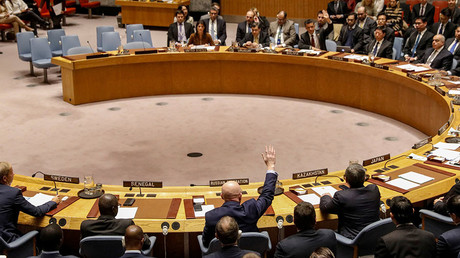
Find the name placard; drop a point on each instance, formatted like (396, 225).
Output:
(440, 91)
(380, 66)
(63, 179)
(249, 50)
(293, 53)
(451, 118)
(443, 128)
(220, 182)
(414, 76)
(338, 58)
(452, 106)
(195, 50)
(145, 52)
(97, 56)
(422, 142)
(374, 160)
(144, 184)
(311, 173)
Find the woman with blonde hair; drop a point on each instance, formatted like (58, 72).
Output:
(12, 19)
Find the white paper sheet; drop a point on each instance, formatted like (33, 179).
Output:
(40, 199)
(416, 68)
(324, 190)
(402, 183)
(417, 157)
(204, 209)
(447, 146)
(416, 177)
(452, 131)
(198, 200)
(310, 51)
(57, 8)
(454, 82)
(126, 213)
(447, 154)
(356, 57)
(311, 198)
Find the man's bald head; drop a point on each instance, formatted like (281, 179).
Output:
(134, 238)
(108, 204)
(231, 191)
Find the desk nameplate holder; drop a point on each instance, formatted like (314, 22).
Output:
(292, 53)
(380, 66)
(61, 179)
(140, 184)
(414, 76)
(338, 58)
(220, 182)
(195, 50)
(311, 173)
(97, 56)
(451, 118)
(443, 128)
(375, 160)
(440, 91)
(422, 142)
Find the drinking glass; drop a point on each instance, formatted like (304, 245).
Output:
(88, 183)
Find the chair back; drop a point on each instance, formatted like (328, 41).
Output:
(20, 248)
(331, 45)
(69, 42)
(130, 28)
(99, 31)
(40, 49)
(136, 45)
(101, 247)
(79, 50)
(54, 39)
(454, 64)
(296, 27)
(142, 35)
(110, 41)
(435, 222)
(255, 241)
(23, 44)
(398, 45)
(214, 246)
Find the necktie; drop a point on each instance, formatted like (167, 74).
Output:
(452, 49)
(213, 32)
(430, 59)
(422, 10)
(312, 41)
(278, 40)
(441, 29)
(416, 44)
(249, 29)
(181, 35)
(375, 48)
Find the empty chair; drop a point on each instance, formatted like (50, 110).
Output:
(331, 45)
(107, 246)
(110, 41)
(54, 38)
(130, 28)
(454, 64)
(79, 50)
(253, 241)
(398, 45)
(41, 55)
(21, 247)
(136, 45)
(69, 42)
(296, 27)
(23, 43)
(365, 242)
(89, 5)
(142, 35)
(99, 31)
(435, 222)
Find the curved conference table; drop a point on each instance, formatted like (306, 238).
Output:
(387, 92)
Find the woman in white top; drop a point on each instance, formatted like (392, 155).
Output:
(6, 17)
(22, 11)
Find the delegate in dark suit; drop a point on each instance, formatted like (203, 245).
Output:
(54, 254)
(241, 31)
(341, 10)
(457, 50)
(221, 30)
(11, 203)
(133, 254)
(358, 39)
(173, 31)
(305, 42)
(305, 242)
(368, 28)
(424, 43)
(264, 39)
(228, 252)
(449, 243)
(104, 225)
(441, 206)
(455, 19)
(429, 13)
(389, 35)
(443, 60)
(385, 50)
(449, 29)
(406, 241)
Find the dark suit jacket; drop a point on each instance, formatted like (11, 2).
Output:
(305, 42)
(53, 255)
(11, 203)
(305, 242)
(241, 31)
(429, 13)
(441, 207)
(358, 39)
(425, 42)
(264, 39)
(105, 225)
(221, 29)
(389, 35)
(449, 243)
(385, 51)
(443, 60)
(368, 28)
(343, 9)
(449, 30)
(355, 207)
(406, 241)
(455, 19)
(456, 52)
(246, 214)
(228, 252)
(133, 255)
(173, 32)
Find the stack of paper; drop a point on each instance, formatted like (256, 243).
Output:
(447, 146)
(447, 154)
(415, 68)
(356, 57)
(204, 209)
(126, 213)
(321, 190)
(311, 198)
(402, 183)
(416, 177)
(40, 199)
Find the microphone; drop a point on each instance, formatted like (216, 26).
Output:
(385, 166)
(90, 46)
(142, 38)
(279, 222)
(316, 179)
(383, 208)
(197, 185)
(38, 172)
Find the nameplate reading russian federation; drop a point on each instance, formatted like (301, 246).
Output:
(144, 184)
(443, 128)
(414, 76)
(440, 91)
(380, 66)
(422, 142)
(311, 173)
(378, 159)
(220, 182)
(63, 179)
(338, 58)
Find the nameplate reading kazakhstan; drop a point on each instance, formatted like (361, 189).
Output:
(440, 91)
(443, 128)
(311, 173)
(241, 181)
(422, 142)
(378, 159)
(414, 76)
(380, 66)
(293, 53)
(338, 58)
(451, 118)
(63, 179)
(144, 184)
(195, 50)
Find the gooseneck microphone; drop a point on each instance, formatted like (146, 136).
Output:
(90, 46)
(142, 38)
(385, 166)
(316, 178)
(38, 172)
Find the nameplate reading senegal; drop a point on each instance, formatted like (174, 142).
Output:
(443, 128)
(414, 76)
(220, 182)
(63, 179)
(440, 91)
(422, 143)
(376, 160)
(338, 58)
(311, 173)
(380, 66)
(144, 184)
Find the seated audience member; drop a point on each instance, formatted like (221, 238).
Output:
(379, 46)
(394, 15)
(440, 204)
(248, 213)
(255, 39)
(50, 239)
(12, 202)
(451, 45)
(370, 8)
(315, 40)
(322, 252)
(406, 240)
(228, 233)
(389, 32)
(200, 37)
(107, 224)
(306, 237)
(134, 240)
(216, 27)
(322, 24)
(437, 57)
(216, 7)
(187, 17)
(357, 206)
(283, 31)
(55, 17)
(244, 27)
(251, 255)
(351, 35)
(418, 41)
(5, 17)
(423, 9)
(365, 23)
(179, 31)
(454, 11)
(449, 242)
(262, 20)
(444, 26)
(22, 11)
(337, 10)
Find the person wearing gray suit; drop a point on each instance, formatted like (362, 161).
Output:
(283, 31)
(217, 28)
(437, 57)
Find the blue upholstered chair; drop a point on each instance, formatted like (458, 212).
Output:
(23, 44)
(130, 28)
(136, 45)
(331, 45)
(99, 31)
(79, 50)
(110, 41)
(142, 35)
(398, 45)
(107, 246)
(435, 222)
(69, 42)
(54, 39)
(253, 241)
(41, 55)
(21, 247)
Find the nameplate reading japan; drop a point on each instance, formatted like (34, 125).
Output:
(311, 173)
(63, 179)
(378, 159)
(144, 184)
(241, 181)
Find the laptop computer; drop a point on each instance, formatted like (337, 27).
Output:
(344, 49)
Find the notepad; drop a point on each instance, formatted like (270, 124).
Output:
(126, 213)
(324, 190)
(311, 198)
(40, 199)
(416, 177)
(415, 68)
(402, 183)
(204, 209)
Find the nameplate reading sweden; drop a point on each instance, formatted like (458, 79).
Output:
(378, 159)
(241, 181)
(145, 184)
(311, 173)
(63, 179)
